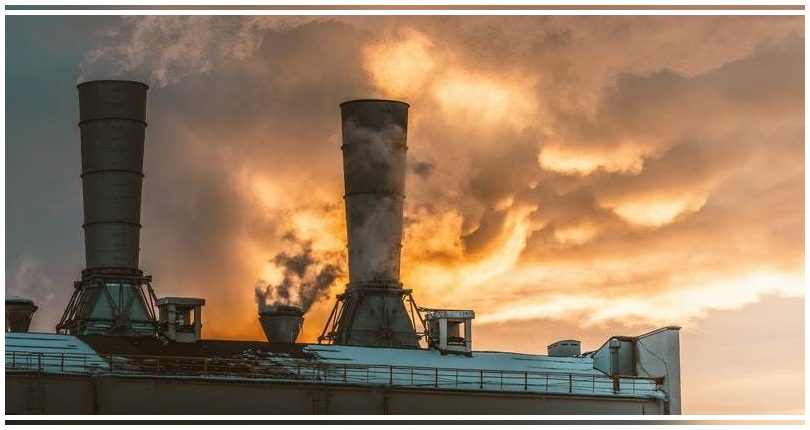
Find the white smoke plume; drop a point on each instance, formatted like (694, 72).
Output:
(164, 49)
(29, 280)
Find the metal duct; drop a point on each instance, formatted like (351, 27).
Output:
(113, 122)
(281, 324)
(374, 145)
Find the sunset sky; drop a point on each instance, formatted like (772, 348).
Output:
(570, 176)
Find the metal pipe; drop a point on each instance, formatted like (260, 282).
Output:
(614, 346)
(570, 383)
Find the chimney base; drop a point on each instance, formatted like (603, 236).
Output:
(106, 302)
(373, 316)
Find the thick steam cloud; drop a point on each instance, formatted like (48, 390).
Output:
(306, 277)
(375, 164)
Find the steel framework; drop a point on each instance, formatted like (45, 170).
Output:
(134, 290)
(341, 319)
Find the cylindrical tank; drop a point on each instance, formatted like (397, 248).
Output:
(19, 312)
(564, 348)
(113, 123)
(374, 146)
(281, 324)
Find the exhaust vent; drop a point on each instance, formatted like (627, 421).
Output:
(19, 312)
(280, 323)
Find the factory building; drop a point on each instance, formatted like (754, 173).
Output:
(119, 349)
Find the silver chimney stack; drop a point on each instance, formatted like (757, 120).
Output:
(113, 123)
(374, 145)
(113, 296)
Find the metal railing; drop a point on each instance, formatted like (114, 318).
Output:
(285, 369)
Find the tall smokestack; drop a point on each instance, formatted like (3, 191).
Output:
(113, 123)
(374, 145)
(112, 119)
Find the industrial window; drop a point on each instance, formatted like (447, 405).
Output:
(455, 332)
(185, 320)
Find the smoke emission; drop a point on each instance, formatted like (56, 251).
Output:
(605, 171)
(628, 145)
(375, 167)
(306, 278)
(422, 169)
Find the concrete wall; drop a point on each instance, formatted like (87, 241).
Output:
(52, 394)
(56, 394)
(659, 356)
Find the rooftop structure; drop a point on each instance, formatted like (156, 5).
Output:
(180, 318)
(19, 312)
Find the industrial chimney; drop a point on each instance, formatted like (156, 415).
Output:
(113, 296)
(374, 145)
(19, 312)
(280, 323)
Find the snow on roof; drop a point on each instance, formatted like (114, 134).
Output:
(506, 361)
(488, 371)
(413, 368)
(65, 354)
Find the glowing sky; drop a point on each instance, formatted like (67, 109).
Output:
(571, 177)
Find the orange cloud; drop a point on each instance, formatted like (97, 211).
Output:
(576, 234)
(625, 158)
(697, 293)
(440, 280)
(412, 65)
(656, 210)
(400, 69)
(490, 101)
